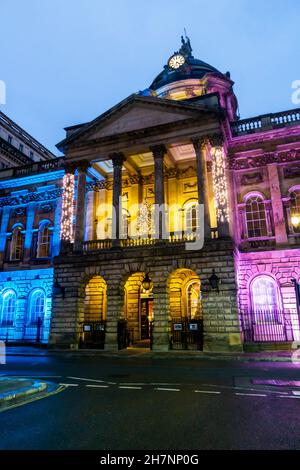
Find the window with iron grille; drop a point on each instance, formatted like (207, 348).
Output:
(295, 210)
(9, 301)
(36, 306)
(256, 217)
(44, 241)
(16, 251)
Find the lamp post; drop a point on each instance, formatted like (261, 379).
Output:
(57, 289)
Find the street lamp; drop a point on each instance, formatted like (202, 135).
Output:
(295, 219)
(57, 289)
(214, 281)
(146, 283)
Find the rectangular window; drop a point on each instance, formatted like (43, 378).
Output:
(9, 139)
(21, 147)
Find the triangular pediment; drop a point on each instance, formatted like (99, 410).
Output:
(137, 117)
(133, 114)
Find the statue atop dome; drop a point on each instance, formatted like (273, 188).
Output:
(186, 48)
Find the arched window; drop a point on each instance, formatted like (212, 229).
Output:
(36, 306)
(125, 224)
(256, 218)
(16, 251)
(295, 210)
(191, 223)
(44, 241)
(8, 308)
(265, 295)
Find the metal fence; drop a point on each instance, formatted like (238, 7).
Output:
(92, 335)
(186, 333)
(270, 326)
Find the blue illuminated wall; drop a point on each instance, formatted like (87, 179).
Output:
(23, 283)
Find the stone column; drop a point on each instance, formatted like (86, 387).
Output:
(158, 152)
(277, 206)
(3, 230)
(117, 160)
(28, 237)
(199, 147)
(80, 205)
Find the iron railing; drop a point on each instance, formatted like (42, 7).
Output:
(261, 326)
(186, 333)
(92, 334)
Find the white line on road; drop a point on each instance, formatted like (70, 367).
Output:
(92, 380)
(69, 385)
(132, 383)
(97, 386)
(289, 396)
(168, 389)
(212, 392)
(296, 392)
(130, 388)
(251, 394)
(164, 383)
(86, 380)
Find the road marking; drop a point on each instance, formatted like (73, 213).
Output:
(168, 389)
(97, 386)
(296, 392)
(86, 380)
(251, 394)
(69, 385)
(165, 383)
(92, 380)
(130, 388)
(288, 396)
(132, 383)
(208, 391)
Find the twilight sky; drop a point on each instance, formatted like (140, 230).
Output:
(67, 61)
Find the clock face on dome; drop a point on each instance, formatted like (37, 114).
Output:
(176, 61)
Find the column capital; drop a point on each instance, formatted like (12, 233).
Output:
(70, 167)
(117, 158)
(200, 143)
(83, 165)
(216, 140)
(158, 151)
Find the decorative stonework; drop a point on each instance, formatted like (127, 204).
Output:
(252, 178)
(263, 160)
(31, 197)
(291, 172)
(18, 212)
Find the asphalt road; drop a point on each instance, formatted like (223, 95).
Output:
(136, 403)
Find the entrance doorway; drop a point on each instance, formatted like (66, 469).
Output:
(146, 317)
(138, 310)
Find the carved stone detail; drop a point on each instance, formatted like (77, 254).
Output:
(252, 178)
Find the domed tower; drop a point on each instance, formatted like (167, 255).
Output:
(186, 78)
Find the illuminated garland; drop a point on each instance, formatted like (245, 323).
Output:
(66, 231)
(220, 184)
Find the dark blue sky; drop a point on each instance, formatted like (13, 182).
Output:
(67, 61)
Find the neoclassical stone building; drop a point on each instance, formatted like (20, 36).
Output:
(213, 268)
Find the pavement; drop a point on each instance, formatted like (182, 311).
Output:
(263, 356)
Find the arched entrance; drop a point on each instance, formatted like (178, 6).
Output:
(138, 308)
(185, 310)
(94, 314)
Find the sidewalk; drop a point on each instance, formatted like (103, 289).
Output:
(272, 356)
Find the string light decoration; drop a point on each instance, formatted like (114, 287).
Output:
(66, 232)
(144, 221)
(220, 184)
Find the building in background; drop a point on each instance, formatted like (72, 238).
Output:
(17, 147)
(180, 143)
